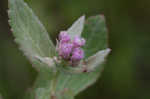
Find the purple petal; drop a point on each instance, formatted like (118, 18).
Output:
(78, 41)
(65, 50)
(77, 54)
(64, 37)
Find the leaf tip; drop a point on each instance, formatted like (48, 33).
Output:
(108, 50)
(82, 17)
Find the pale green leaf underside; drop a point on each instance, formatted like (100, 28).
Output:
(95, 34)
(77, 27)
(29, 33)
(97, 59)
(33, 40)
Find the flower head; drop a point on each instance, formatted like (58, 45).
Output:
(70, 49)
(65, 50)
(78, 41)
(64, 37)
(77, 54)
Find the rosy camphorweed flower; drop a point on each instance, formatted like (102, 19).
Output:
(70, 50)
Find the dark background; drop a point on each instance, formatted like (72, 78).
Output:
(127, 72)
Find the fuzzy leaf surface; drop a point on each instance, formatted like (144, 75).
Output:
(29, 33)
(77, 27)
(33, 40)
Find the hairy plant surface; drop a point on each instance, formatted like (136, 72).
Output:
(59, 77)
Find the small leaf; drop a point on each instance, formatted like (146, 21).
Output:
(95, 34)
(29, 33)
(77, 27)
(97, 59)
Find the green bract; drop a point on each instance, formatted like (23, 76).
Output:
(54, 79)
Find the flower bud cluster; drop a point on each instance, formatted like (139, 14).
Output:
(70, 49)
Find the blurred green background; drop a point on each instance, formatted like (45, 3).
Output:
(127, 71)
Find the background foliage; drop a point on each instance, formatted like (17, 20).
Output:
(126, 73)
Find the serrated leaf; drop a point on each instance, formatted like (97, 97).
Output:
(29, 33)
(95, 33)
(77, 27)
(33, 40)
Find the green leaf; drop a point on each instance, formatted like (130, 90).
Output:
(65, 94)
(29, 33)
(97, 60)
(95, 33)
(43, 86)
(77, 27)
(34, 41)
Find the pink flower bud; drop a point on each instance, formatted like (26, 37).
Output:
(65, 50)
(64, 37)
(70, 50)
(78, 41)
(77, 55)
